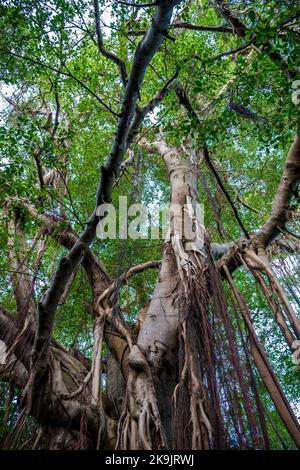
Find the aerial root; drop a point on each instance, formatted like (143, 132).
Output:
(140, 425)
(255, 262)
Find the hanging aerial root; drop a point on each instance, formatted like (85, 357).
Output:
(16, 432)
(200, 403)
(277, 310)
(140, 424)
(96, 372)
(8, 403)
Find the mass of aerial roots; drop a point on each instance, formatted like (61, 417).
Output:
(216, 402)
(187, 375)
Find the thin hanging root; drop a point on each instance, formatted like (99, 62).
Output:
(204, 418)
(254, 261)
(78, 391)
(201, 425)
(187, 267)
(97, 359)
(26, 443)
(182, 260)
(140, 425)
(96, 373)
(19, 337)
(202, 429)
(194, 280)
(8, 403)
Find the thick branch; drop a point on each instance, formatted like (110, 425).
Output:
(238, 26)
(142, 58)
(289, 181)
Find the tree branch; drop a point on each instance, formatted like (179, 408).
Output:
(237, 26)
(232, 51)
(108, 54)
(139, 5)
(140, 113)
(122, 279)
(279, 214)
(246, 112)
(143, 55)
(240, 29)
(219, 181)
(195, 27)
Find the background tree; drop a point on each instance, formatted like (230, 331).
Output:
(175, 101)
